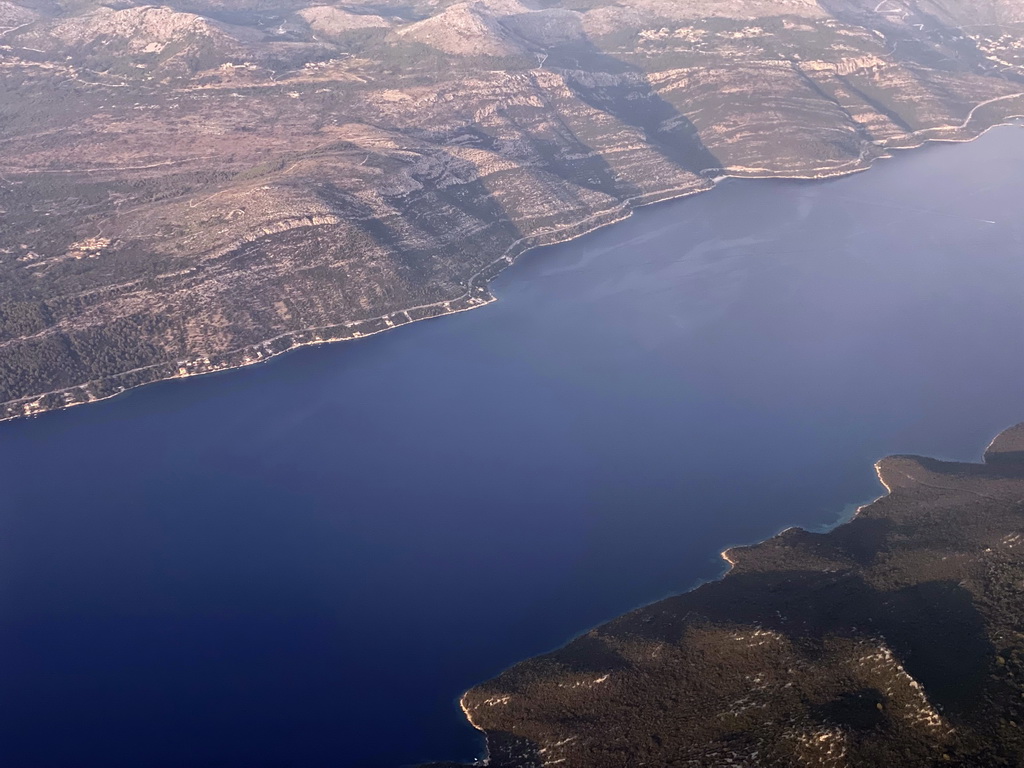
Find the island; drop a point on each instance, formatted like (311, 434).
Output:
(203, 184)
(895, 639)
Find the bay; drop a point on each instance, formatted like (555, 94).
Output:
(305, 563)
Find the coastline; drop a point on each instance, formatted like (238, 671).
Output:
(730, 565)
(724, 554)
(477, 293)
(1009, 443)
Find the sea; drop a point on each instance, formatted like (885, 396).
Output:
(305, 563)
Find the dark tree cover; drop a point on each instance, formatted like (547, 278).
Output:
(896, 639)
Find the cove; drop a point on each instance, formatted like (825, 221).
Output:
(306, 563)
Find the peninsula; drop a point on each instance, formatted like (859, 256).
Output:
(203, 185)
(896, 639)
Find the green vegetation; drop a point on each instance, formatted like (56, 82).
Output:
(187, 187)
(896, 639)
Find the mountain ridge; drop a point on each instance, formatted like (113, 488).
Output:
(190, 202)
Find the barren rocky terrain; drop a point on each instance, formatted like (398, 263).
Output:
(894, 640)
(204, 185)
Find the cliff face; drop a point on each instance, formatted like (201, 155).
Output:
(896, 639)
(187, 188)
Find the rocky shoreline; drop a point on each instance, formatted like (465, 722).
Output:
(893, 639)
(1003, 108)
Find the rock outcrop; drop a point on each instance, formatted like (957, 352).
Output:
(364, 162)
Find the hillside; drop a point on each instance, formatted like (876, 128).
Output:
(203, 185)
(894, 640)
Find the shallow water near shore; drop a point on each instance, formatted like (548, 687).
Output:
(305, 563)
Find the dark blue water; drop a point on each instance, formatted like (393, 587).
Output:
(304, 564)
